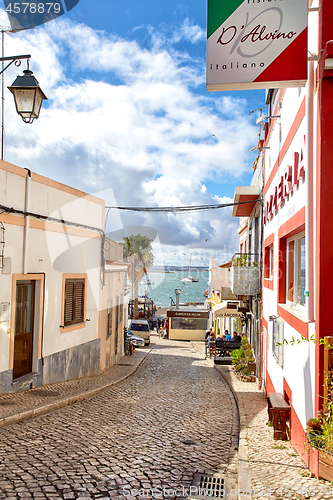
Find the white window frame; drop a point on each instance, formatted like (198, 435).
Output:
(297, 279)
(278, 337)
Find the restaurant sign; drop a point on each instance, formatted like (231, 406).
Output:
(187, 314)
(286, 183)
(256, 44)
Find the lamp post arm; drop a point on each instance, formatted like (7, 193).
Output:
(13, 59)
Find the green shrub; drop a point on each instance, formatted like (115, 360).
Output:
(327, 433)
(236, 356)
(240, 367)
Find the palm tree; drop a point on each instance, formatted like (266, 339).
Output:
(138, 251)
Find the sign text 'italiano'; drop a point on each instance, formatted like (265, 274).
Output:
(256, 44)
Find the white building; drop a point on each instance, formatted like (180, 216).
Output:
(298, 236)
(53, 271)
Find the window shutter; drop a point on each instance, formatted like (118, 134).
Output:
(69, 298)
(79, 301)
(74, 301)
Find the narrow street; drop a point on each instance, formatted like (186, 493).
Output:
(172, 418)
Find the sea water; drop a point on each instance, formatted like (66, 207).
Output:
(164, 285)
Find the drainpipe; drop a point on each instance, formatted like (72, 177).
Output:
(309, 298)
(27, 220)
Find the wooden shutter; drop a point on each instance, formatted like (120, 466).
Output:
(79, 301)
(74, 301)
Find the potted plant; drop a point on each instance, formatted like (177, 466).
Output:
(243, 361)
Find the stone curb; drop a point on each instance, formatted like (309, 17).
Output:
(244, 473)
(14, 419)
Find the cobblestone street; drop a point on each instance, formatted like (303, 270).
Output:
(151, 431)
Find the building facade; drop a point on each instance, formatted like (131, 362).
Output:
(53, 283)
(298, 233)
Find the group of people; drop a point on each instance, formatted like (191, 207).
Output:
(213, 341)
(162, 328)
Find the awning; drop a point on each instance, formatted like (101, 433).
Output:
(227, 309)
(226, 265)
(248, 194)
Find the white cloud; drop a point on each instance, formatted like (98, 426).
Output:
(131, 119)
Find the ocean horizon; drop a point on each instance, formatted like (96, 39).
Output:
(164, 284)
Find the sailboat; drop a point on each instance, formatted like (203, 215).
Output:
(189, 278)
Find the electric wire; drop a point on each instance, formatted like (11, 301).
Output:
(185, 208)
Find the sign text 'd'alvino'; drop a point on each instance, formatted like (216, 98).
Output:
(256, 44)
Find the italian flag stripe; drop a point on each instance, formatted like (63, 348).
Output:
(286, 65)
(218, 12)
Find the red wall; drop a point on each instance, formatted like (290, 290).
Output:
(324, 198)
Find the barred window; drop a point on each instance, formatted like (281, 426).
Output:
(74, 301)
(110, 310)
(121, 308)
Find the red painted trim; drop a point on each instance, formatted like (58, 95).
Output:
(292, 320)
(269, 384)
(287, 394)
(300, 441)
(293, 129)
(294, 225)
(269, 240)
(268, 280)
(269, 284)
(324, 199)
(281, 282)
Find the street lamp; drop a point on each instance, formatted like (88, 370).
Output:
(28, 96)
(26, 91)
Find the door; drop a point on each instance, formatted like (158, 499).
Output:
(117, 328)
(24, 327)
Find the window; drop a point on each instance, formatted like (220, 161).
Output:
(278, 337)
(117, 317)
(295, 293)
(74, 301)
(121, 310)
(189, 324)
(110, 305)
(268, 272)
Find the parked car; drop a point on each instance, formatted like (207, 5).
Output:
(136, 341)
(140, 326)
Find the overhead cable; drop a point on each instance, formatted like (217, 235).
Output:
(185, 208)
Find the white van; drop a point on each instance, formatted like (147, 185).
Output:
(141, 328)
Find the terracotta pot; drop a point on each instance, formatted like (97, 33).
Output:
(251, 367)
(325, 465)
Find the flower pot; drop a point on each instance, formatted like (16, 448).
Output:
(251, 367)
(325, 465)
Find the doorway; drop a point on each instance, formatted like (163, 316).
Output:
(24, 328)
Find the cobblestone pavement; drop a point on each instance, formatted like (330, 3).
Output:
(25, 404)
(152, 431)
(276, 470)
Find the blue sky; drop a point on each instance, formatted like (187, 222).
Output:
(129, 119)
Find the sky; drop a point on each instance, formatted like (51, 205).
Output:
(128, 119)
